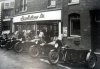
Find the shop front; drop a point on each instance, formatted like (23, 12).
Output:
(6, 26)
(49, 22)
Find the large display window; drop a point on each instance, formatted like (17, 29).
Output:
(31, 30)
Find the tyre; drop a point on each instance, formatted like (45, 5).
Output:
(92, 61)
(18, 47)
(34, 51)
(53, 57)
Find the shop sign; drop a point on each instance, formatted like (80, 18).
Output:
(32, 17)
(50, 15)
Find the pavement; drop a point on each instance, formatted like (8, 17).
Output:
(12, 60)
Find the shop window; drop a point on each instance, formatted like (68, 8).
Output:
(6, 26)
(74, 24)
(73, 2)
(23, 5)
(51, 3)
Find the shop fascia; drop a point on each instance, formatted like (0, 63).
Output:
(42, 16)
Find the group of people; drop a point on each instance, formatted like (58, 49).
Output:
(44, 35)
(29, 35)
(25, 35)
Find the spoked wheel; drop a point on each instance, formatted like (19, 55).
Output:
(34, 51)
(53, 57)
(92, 61)
(18, 47)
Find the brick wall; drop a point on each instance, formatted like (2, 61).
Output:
(83, 8)
(38, 5)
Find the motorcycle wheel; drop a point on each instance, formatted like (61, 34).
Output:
(18, 47)
(33, 51)
(53, 57)
(92, 61)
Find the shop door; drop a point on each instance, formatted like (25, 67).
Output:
(95, 30)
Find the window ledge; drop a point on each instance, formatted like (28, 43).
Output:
(73, 3)
(51, 6)
(73, 37)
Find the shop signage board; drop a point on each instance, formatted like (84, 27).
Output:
(49, 15)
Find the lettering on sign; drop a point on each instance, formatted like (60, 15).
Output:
(32, 17)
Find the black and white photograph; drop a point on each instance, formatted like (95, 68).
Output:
(49, 34)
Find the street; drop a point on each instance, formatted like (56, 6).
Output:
(12, 60)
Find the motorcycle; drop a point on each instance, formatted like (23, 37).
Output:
(66, 54)
(39, 48)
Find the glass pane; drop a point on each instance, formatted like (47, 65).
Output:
(75, 27)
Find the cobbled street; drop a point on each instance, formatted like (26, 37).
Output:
(12, 60)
